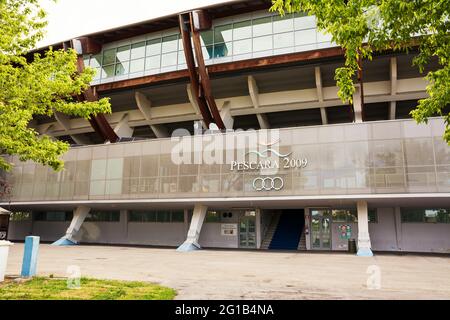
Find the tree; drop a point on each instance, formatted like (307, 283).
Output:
(362, 27)
(40, 85)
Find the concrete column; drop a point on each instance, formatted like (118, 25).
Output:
(357, 104)
(123, 128)
(79, 214)
(307, 228)
(258, 229)
(398, 228)
(193, 235)
(364, 245)
(225, 114)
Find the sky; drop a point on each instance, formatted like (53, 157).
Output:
(68, 19)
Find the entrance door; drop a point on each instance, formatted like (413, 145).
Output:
(247, 232)
(320, 230)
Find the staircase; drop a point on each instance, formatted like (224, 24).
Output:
(270, 232)
(302, 243)
(288, 231)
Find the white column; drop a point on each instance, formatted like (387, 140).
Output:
(254, 95)
(364, 245)
(225, 114)
(79, 214)
(195, 228)
(144, 105)
(123, 129)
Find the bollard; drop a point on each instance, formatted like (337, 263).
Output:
(4, 250)
(30, 256)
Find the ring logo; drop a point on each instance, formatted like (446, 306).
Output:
(268, 184)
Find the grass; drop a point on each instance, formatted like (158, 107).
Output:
(90, 289)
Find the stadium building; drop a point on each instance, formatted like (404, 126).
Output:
(305, 172)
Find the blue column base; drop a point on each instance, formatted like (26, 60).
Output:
(30, 257)
(188, 246)
(364, 252)
(64, 242)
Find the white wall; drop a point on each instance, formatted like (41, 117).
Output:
(18, 230)
(425, 237)
(383, 234)
(211, 236)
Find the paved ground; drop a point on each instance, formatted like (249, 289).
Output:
(217, 274)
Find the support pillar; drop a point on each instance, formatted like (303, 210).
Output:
(193, 235)
(227, 118)
(79, 214)
(364, 245)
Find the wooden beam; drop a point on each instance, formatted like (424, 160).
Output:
(190, 62)
(98, 122)
(204, 77)
(229, 67)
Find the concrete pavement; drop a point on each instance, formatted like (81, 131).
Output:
(222, 274)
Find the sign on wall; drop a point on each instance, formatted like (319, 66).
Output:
(345, 231)
(229, 229)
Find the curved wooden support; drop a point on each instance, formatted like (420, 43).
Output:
(186, 37)
(205, 82)
(199, 77)
(98, 122)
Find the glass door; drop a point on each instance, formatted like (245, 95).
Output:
(247, 232)
(320, 230)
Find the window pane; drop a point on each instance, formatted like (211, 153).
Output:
(308, 22)
(98, 72)
(153, 47)
(373, 216)
(98, 170)
(152, 62)
(169, 59)
(212, 216)
(305, 37)
(412, 215)
(95, 61)
(108, 71)
(163, 216)
(115, 169)
(123, 53)
(170, 43)
(137, 65)
(223, 50)
(262, 26)
(177, 216)
(109, 56)
(207, 52)
(262, 43)
(122, 68)
(283, 40)
(138, 50)
(323, 37)
(283, 24)
(242, 30)
(242, 46)
(207, 38)
(223, 33)
(56, 216)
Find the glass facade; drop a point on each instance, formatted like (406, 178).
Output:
(261, 35)
(425, 215)
(160, 216)
(368, 158)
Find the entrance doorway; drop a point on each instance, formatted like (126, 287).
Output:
(320, 229)
(247, 231)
